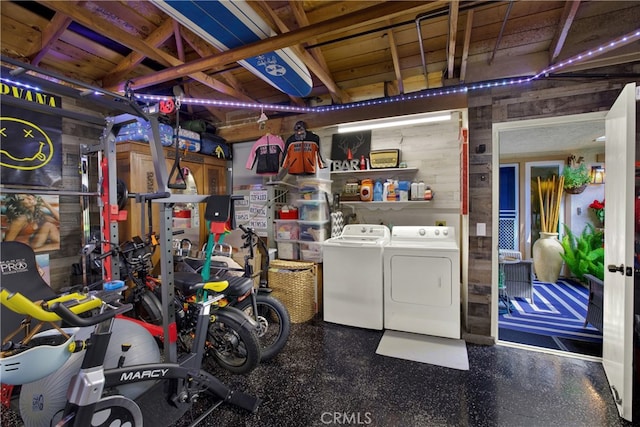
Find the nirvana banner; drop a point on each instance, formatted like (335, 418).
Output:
(30, 141)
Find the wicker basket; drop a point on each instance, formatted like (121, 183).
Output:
(294, 283)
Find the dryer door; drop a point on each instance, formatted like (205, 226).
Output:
(421, 280)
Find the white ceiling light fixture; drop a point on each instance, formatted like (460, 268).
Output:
(388, 122)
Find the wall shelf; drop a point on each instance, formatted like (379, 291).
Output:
(389, 171)
(385, 206)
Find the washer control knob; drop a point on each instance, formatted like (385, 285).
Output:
(445, 232)
(422, 232)
(363, 230)
(437, 232)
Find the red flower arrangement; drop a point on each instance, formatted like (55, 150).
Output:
(598, 208)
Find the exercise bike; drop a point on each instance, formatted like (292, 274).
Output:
(271, 315)
(40, 354)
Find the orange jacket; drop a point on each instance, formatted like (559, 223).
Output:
(302, 157)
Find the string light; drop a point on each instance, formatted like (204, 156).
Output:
(11, 82)
(428, 93)
(614, 44)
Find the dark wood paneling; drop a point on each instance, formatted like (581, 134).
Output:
(486, 107)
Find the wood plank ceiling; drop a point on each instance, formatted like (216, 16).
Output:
(355, 50)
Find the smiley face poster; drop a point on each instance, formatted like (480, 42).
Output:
(30, 141)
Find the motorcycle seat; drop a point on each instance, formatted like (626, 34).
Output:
(238, 285)
(190, 283)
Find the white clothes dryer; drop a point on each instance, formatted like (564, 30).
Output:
(352, 276)
(422, 281)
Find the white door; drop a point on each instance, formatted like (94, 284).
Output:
(620, 156)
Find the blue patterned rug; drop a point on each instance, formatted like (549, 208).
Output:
(558, 311)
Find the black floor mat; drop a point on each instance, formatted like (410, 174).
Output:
(555, 343)
(582, 347)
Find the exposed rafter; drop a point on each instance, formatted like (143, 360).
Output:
(178, 38)
(465, 47)
(84, 18)
(307, 58)
(568, 15)
(54, 30)
(337, 94)
(454, 6)
(159, 36)
(393, 47)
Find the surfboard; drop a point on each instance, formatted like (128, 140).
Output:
(230, 24)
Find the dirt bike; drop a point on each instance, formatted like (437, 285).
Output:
(270, 314)
(231, 341)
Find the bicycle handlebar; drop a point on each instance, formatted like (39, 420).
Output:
(75, 320)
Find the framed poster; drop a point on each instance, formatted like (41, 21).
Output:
(31, 219)
(348, 148)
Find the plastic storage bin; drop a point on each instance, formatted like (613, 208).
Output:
(314, 231)
(287, 229)
(308, 184)
(288, 212)
(312, 195)
(313, 210)
(311, 251)
(288, 249)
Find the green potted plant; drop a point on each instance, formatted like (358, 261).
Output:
(584, 253)
(576, 175)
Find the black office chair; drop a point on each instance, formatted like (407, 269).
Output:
(19, 273)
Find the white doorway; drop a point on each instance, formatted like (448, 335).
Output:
(531, 144)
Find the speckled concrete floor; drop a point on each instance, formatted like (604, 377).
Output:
(330, 375)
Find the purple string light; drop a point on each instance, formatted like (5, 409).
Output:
(399, 98)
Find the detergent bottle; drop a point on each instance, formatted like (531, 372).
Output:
(377, 191)
(391, 191)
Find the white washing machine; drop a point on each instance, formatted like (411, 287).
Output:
(422, 281)
(352, 283)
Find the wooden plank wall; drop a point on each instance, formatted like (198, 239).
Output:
(544, 98)
(74, 133)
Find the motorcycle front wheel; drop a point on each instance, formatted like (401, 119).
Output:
(232, 343)
(274, 323)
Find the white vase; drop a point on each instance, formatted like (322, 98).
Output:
(547, 261)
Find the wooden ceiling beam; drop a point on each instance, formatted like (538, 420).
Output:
(203, 48)
(395, 57)
(465, 48)
(566, 20)
(310, 61)
(106, 28)
(337, 94)
(83, 17)
(355, 19)
(178, 38)
(454, 7)
(54, 30)
(155, 39)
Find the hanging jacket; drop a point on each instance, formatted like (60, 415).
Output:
(302, 157)
(265, 155)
